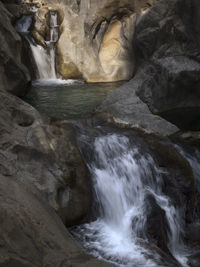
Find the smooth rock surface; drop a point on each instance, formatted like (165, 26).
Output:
(124, 108)
(44, 158)
(32, 235)
(168, 53)
(96, 37)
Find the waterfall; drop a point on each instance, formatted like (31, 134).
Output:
(53, 26)
(44, 58)
(123, 179)
(43, 62)
(53, 39)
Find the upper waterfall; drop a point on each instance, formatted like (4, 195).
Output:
(53, 26)
(44, 57)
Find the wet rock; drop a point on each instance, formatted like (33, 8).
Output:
(179, 182)
(156, 225)
(193, 234)
(95, 38)
(194, 259)
(190, 137)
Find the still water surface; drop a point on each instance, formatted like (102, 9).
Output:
(71, 99)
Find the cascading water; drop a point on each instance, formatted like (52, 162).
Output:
(44, 58)
(53, 39)
(123, 179)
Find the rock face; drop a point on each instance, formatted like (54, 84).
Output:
(43, 158)
(167, 78)
(14, 76)
(96, 38)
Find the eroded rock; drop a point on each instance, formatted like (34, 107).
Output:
(43, 158)
(168, 51)
(96, 38)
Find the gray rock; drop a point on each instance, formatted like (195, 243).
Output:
(44, 158)
(124, 107)
(14, 76)
(32, 234)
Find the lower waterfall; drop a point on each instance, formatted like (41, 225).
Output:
(124, 181)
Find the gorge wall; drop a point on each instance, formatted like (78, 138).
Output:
(167, 78)
(96, 37)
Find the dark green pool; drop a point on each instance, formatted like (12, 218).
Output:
(68, 100)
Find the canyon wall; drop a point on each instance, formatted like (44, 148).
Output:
(96, 37)
(167, 78)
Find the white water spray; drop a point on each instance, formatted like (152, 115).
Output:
(44, 58)
(123, 180)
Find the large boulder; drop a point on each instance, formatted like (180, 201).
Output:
(32, 234)
(168, 53)
(14, 76)
(44, 158)
(167, 81)
(124, 108)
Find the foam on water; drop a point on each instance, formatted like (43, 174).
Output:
(123, 179)
(54, 82)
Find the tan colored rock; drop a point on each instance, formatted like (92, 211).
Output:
(96, 38)
(116, 55)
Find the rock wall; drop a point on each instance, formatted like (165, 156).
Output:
(96, 37)
(167, 79)
(171, 61)
(14, 76)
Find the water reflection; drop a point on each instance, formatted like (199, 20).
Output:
(71, 100)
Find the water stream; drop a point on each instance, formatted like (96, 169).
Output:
(44, 58)
(124, 180)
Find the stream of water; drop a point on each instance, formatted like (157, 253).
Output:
(123, 180)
